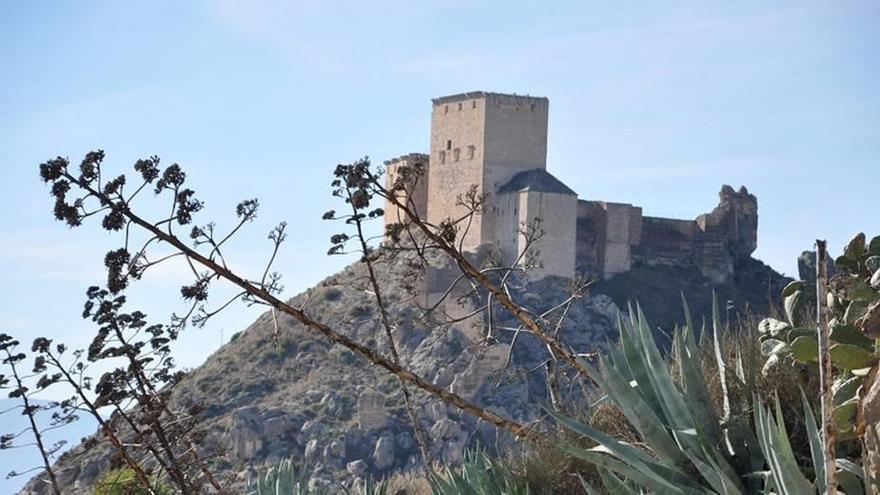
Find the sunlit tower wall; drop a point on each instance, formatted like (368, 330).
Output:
(482, 139)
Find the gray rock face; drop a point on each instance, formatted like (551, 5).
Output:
(383, 453)
(310, 454)
(357, 468)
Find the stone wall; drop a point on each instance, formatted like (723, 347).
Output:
(515, 140)
(554, 252)
(415, 182)
(606, 235)
(666, 241)
(612, 237)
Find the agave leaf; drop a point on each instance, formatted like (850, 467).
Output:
(639, 476)
(637, 365)
(632, 462)
(631, 402)
(719, 359)
(773, 439)
(677, 414)
(613, 484)
(689, 323)
(696, 391)
(817, 451)
(746, 448)
(588, 489)
(720, 476)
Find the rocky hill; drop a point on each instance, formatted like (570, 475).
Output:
(297, 396)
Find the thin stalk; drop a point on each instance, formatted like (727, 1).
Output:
(828, 433)
(418, 433)
(29, 412)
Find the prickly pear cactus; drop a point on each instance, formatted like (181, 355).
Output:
(854, 302)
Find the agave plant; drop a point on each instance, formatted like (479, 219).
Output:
(689, 448)
(290, 478)
(284, 478)
(479, 474)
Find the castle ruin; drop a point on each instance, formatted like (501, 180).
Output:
(498, 143)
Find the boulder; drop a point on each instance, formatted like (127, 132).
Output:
(311, 453)
(357, 467)
(383, 453)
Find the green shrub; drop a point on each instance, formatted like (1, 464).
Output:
(124, 481)
(332, 294)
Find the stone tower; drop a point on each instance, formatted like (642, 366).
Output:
(416, 183)
(482, 139)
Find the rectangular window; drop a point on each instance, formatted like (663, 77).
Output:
(455, 154)
(459, 106)
(446, 109)
(474, 104)
(449, 144)
(442, 157)
(471, 150)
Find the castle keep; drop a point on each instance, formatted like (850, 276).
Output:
(498, 143)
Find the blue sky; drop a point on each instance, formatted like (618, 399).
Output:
(652, 103)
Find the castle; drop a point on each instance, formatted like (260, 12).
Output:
(498, 143)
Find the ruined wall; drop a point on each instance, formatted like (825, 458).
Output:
(612, 237)
(606, 234)
(414, 181)
(666, 241)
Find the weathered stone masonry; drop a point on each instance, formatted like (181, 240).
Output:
(498, 142)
